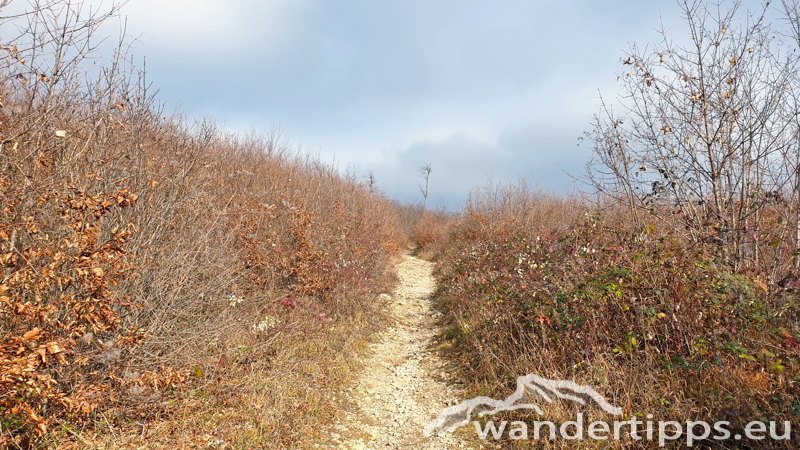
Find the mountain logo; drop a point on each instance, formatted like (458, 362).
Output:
(527, 386)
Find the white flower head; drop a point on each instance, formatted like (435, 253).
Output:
(234, 301)
(265, 325)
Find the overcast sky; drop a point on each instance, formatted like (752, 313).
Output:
(478, 89)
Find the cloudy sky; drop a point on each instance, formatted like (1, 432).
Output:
(479, 89)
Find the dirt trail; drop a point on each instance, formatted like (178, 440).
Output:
(403, 385)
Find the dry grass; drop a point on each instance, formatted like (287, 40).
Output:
(424, 229)
(224, 284)
(531, 282)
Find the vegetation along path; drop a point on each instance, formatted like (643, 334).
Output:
(403, 385)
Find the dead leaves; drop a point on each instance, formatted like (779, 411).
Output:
(32, 335)
(64, 281)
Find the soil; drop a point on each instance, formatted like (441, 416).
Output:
(404, 384)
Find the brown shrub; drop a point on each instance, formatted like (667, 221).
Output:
(658, 325)
(159, 272)
(429, 231)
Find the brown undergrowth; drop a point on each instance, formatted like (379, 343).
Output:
(533, 283)
(424, 229)
(166, 284)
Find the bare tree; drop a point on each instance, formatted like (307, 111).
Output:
(707, 135)
(425, 172)
(791, 154)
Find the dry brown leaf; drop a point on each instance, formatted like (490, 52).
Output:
(53, 348)
(32, 335)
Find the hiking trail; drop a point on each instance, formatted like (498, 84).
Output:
(404, 385)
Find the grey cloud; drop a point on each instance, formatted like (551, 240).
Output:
(461, 163)
(477, 88)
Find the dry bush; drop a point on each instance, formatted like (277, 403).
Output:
(159, 273)
(429, 231)
(409, 214)
(677, 294)
(59, 288)
(705, 135)
(655, 322)
(523, 203)
(423, 229)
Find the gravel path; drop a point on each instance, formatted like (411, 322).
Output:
(403, 385)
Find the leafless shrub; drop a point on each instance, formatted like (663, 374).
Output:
(707, 136)
(176, 218)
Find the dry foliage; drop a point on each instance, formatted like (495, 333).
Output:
(706, 135)
(657, 323)
(159, 274)
(59, 288)
(676, 293)
(423, 229)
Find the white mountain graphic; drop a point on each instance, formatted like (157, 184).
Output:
(527, 386)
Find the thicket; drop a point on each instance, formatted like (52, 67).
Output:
(159, 274)
(673, 289)
(424, 230)
(658, 326)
